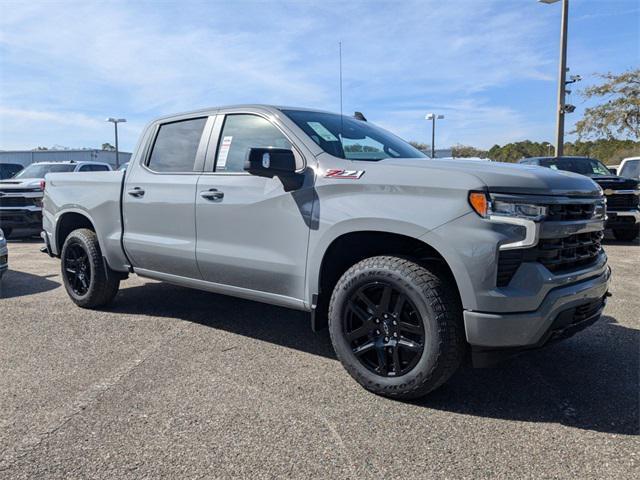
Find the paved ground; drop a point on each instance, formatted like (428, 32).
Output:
(175, 383)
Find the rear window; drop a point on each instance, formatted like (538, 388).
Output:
(584, 166)
(176, 146)
(94, 168)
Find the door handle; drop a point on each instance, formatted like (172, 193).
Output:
(212, 194)
(136, 192)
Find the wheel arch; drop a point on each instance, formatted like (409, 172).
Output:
(348, 248)
(67, 222)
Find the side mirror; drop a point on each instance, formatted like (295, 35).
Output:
(270, 162)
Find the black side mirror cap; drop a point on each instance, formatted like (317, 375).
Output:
(270, 162)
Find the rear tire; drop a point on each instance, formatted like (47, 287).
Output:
(87, 278)
(626, 235)
(406, 319)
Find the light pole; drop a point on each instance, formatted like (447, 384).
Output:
(562, 75)
(433, 117)
(115, 122)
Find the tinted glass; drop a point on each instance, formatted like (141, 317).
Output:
(94, 168)
(176, 146)
(346, 137)
(39, 171)
(631, 169)
(8, 170)
(239, 134)
(584, 166)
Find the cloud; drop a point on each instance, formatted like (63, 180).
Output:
(82, 61)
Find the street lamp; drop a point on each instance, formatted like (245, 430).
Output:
(562, 75)
(115, 122)
(433, 117)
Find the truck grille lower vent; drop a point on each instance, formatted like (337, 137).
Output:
(559, 255)
(625, 201)
(15, 202)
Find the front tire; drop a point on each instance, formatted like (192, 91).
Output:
(396, 326)
(87, 278)
(626, 235)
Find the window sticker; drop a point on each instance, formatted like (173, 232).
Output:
(224, 152)
(322, 131)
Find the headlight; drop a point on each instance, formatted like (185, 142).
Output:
(1, 234)
(485, 206)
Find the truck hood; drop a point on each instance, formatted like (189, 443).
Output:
(509, 177)
(19, 183)
(614, 182)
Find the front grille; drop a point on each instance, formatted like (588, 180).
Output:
(624, 201)
(558, 255)
(587, 310)
(567, 211)
(16, 202)
(19, 190)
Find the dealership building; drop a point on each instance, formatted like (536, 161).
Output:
(26, 157)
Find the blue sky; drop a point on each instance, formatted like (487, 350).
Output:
(489, 66)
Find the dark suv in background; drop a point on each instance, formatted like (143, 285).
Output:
(622, 193)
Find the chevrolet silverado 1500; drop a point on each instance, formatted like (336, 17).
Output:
(412, 263)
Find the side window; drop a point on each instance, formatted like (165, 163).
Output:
(176, 146)
(99, 168)
(242, 132)
(85, 168)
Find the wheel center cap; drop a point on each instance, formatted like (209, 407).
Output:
(385, 327)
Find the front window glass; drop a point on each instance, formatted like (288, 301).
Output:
(39, 171)
(584, 166)
(176, 146)
(631, 169)
(8, 170)
(346, 137)
(242, 132)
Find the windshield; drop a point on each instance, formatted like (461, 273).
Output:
(8, 170)
(39, 171)
(584, 166)
(631, 169)
(346, 137)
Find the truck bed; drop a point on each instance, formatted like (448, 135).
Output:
(97, 196)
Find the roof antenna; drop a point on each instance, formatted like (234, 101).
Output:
(341, 122)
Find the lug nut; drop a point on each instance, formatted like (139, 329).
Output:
(395, 334)
(395, 323)
(377, 332)
(377, 320)
(386, 339)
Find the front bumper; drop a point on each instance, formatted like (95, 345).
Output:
(623, 219)
(29, 217)
(534, 328)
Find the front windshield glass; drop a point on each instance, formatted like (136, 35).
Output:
(631, 169)
(39, 171)
(584, 166)
(346, 137)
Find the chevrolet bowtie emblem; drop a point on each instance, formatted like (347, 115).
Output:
(608, 191)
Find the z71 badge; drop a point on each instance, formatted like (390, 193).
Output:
(344, 174)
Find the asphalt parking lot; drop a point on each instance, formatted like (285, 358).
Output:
(174, 383)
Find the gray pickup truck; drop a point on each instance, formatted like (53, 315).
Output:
(415, 265)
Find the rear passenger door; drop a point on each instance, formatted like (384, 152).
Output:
(159, 195)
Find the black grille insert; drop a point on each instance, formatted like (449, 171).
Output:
(623, 201)
(559, 255)
(16, 202)
(571, 211)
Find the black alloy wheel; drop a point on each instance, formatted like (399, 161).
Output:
(77, 269)
(384, 329)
